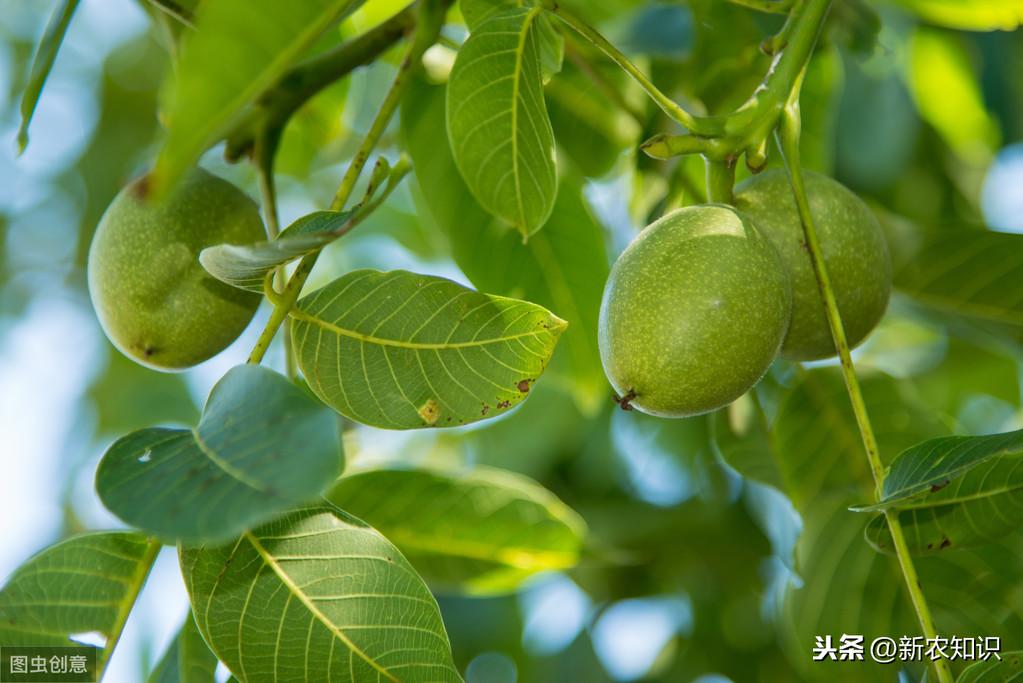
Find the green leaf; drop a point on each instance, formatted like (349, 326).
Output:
(972, 591)
(973, 273)
(476, 12)
(818, 445)
(246, 266)
(400, 350)
(552, 47)
(845, 587)
(563, 267)
(1008, 668)
(743, 440)
(234, 57)
(971, 15)
(317, 595)
(975, 590)
(85, 585)
(42, 62)
(261, 446)
(552, 43)
(497, 120)
(953, 492)
(483, 531)
(187, 659)
(934, 463)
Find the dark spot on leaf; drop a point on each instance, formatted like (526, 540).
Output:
(523, 386)
(945, 542)
(503, 404)
(486, 409)
(940, 485)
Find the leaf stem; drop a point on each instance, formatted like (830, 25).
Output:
(428, 25)
(788, 141)
(424, 37)
(720, 180)
(280, 312)
(265, 149)
(145, 565)
(668, 105)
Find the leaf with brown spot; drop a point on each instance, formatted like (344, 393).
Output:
(399, 350)
(955, 491)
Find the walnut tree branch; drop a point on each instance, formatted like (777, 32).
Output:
(305, 80)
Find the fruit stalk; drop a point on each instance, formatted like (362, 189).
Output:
(788, 142)
(266, 145)
(720, 180)
(748, 128)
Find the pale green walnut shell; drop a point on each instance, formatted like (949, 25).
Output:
(154, 300)
(694, 312)
(855, 253)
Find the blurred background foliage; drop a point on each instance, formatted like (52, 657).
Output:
(699, 568)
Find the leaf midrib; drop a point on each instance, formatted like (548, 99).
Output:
(225, 466)
(520, 51)
(928, 503)
(913, 489)
(301, 315)
(271, 562)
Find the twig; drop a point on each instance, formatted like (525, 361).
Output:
(307, 79)
(668, 105)
(788, 141)
(430, 18)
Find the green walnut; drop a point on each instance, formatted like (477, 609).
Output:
(694, 312)
(154, 301)
(854, 249)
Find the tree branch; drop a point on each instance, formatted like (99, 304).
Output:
(305, 80)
